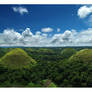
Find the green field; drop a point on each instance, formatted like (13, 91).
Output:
(46, 67)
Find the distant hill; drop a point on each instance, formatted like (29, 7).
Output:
(78, 70)
(16, 58)
(84, 55)
(67, 52)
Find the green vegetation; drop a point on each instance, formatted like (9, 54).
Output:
(48, 83)
(3, 51)
(16, 58)
(66, 53)
(79, 66)
(84, 55)
(46, 67)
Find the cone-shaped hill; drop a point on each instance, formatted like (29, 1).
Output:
(17, 59)
(67, 52)
(84, 55)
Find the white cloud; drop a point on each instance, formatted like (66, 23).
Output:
(58, 29)
(63, 38)
(84, 11)
(27, 33)
(73, 38)
(38, 33)
(48, 29)
(85, 36)
(21, 10)
(10, 37)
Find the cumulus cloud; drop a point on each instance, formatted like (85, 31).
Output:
(21, 10)
(27, 33)
(10, 37)
(85, 36)
(73, 38)
(65, 38)
(84, 11)
(48, 29)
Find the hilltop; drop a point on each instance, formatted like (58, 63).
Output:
(16, 58)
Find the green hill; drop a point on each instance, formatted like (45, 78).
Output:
(84, 55)
(3, 51)
(79, 69)
(67, 52)
(16, 58)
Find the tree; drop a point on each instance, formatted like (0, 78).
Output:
(67, 52)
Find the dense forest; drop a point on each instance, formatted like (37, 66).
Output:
(46, 67)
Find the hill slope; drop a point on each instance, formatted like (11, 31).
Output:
(84, 55)
(67, 52)
(16, 58)
(79, 69)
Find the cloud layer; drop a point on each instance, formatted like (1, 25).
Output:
(10, 37)
(21, 10)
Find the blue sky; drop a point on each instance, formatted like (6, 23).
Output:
(39, 16)
(45, 25)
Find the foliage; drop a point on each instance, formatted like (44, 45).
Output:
(17, 58)
(67, 52)
(84, 55)
(46, 67)
(79, 72)
(48, 83)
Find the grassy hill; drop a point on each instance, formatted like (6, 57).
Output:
(67, 52)
(79, 69)
(16, 58)
(84, 55)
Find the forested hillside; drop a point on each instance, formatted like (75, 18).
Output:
(46, 67)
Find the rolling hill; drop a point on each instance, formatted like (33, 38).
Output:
(16, 58)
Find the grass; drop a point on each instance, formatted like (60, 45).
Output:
(84, 55)
(16, 58)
